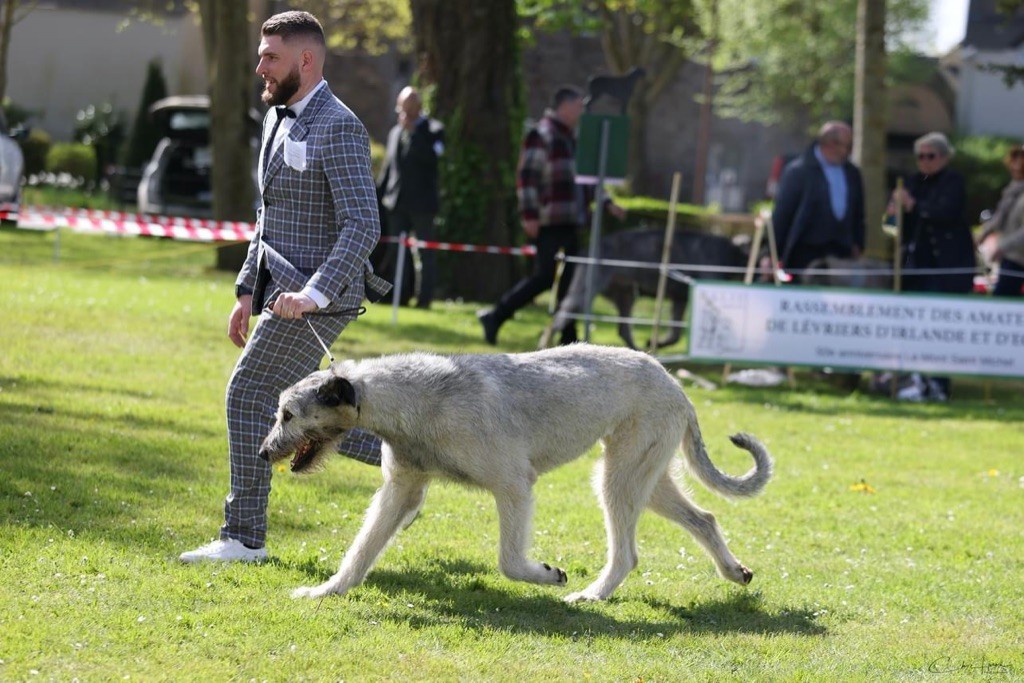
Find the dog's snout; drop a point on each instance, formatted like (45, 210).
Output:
(265, 454)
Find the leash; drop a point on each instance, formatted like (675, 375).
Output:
(356, 312)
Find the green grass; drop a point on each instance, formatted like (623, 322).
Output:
(112, 371)
(58, 196)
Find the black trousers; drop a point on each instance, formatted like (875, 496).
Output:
(420, 224)
(550, 239)
(1009, 283)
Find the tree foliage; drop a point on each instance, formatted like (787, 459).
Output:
(787, 59)
(659, 35)
(371, 26)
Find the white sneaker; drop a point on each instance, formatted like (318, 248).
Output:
(914, 392)
(228, 550)
(911, 393)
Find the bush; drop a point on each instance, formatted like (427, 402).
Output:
(653, 212)
(16, 115)
(35, 147)
(75, 159)
(145, 135)
(980, 160)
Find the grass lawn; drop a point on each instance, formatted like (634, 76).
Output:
(888, 547)
(57, 196)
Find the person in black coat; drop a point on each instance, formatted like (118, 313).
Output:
(819, 205)
(936, 233)
(936, 236)
(408, 181)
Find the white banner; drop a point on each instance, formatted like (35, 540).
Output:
(947, 335)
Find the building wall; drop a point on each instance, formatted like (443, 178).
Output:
(62, 60)
(985, 106)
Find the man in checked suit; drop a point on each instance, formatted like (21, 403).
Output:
(314, 232)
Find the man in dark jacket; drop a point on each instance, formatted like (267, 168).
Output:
(819, 206)
(407, 183)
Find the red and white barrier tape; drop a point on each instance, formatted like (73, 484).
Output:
(411, 242)
(120, 223)
(190, 229)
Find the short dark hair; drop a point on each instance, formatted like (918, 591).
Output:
(566, 93)
(294, 24)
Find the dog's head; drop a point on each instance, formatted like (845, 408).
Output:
(312, 417)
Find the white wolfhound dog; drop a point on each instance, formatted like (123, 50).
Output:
(500, 421)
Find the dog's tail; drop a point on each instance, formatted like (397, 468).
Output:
(744, 486)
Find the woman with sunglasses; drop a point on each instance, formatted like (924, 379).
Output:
(1002, 236)
(936, 237)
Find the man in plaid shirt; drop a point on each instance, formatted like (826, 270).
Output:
(552, 208)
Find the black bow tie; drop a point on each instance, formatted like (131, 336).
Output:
(283, 112)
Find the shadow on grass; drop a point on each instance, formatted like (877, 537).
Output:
(817, 397)
(22, 414)
(25, 385)
(445, 590)
(106, 475)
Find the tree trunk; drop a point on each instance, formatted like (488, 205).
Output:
(228, 56)
(468, 54)
(870, 119)
(7, 17)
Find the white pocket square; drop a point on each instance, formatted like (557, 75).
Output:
(295, 154)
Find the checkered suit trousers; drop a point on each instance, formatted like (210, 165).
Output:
(316, 227)
(279, 353)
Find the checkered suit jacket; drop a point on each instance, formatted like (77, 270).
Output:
(317, 226)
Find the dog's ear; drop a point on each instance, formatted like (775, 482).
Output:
(335, 391)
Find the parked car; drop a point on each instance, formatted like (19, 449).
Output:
(176, 181)
(12, 165)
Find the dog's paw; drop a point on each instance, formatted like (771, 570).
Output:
(738, 574)
(560, 577)
(315, 592)
(583, 596)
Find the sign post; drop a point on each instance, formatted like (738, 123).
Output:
(601, 154)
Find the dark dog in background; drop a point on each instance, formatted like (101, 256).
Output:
(860, 273)
(616, 87)
(623, 284)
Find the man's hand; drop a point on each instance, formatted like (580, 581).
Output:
(989, 248)
(292, 305)
(238, 321)
(904, 198)
(531, 226)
